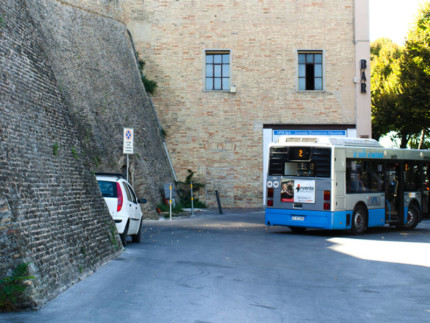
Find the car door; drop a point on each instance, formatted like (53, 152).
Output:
(133, 209)
(129, 207)
(138, 211)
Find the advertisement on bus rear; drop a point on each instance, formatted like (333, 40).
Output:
(297, 191)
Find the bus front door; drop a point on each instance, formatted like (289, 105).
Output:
(426, 191)
(393, 190)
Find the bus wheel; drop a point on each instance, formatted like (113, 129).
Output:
(413, 217)
(359, 220)
(298, 229)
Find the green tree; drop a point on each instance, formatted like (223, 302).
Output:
(401, 84)
(385, 85)
(415, 77)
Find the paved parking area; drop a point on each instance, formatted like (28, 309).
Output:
(232, 268)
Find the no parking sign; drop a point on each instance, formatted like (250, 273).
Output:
(128, 147)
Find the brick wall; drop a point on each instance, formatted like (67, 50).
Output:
(219, 135)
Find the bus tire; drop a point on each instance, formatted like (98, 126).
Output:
(413, 218)
(359, 220)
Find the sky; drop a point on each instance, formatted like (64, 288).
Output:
(392, 18)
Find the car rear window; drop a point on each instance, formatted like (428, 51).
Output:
(108, 189)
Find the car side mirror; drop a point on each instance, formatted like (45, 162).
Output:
(141, 201)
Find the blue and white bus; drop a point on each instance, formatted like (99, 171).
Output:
(345, 183)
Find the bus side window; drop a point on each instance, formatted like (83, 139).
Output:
(364, 176)
(356, 177)
(411, 176)
(376, 183)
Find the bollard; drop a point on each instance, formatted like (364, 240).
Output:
(219, 202)
(170, 201)
(192, 200)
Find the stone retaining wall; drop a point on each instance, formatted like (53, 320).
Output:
(68, 85)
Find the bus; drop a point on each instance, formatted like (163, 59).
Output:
(340, 183)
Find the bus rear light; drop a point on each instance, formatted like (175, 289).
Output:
(327, 197)
(270, 192)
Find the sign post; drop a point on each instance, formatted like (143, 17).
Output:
(128, 144)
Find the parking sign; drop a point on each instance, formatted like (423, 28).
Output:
(128, 147)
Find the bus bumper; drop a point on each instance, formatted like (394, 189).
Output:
(308, 219)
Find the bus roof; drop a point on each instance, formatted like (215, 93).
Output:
(357, 147)
(330, 141)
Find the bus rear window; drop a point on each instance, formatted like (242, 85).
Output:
(299, 169)
(300, 161)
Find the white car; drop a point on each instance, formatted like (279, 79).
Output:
(123, 205)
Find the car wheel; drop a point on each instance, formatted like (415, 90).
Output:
(359, 220)
(137, 237)
(413, 217)
(297, 229)
(123, 235)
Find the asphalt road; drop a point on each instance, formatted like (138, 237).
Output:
(231, 268)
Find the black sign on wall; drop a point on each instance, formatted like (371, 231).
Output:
(363, 76)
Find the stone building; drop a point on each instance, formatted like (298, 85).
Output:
(233, 75)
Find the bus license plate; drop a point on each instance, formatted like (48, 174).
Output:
(297, 218)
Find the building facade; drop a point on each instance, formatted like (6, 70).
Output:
(233, 75)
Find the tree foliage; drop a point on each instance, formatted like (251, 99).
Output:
(401, 84)
(184, 191)
(415, 73)
(13, 286)
(385, 61)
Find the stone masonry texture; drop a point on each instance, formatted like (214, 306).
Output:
(95, 64)
(51, 211)
(219, 134)
(69, 84)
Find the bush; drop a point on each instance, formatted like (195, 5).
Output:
(11, 287)
(148, 84)
(177, 208)
(184, 191)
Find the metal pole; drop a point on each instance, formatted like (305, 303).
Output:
(127, 169)
(192, 200)
(170, 201)
(219, 202)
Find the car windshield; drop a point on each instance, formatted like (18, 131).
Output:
(108, 189)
